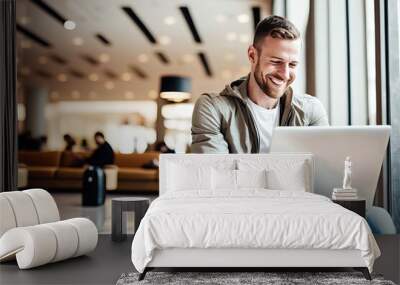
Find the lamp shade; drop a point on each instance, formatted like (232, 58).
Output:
(175, 88)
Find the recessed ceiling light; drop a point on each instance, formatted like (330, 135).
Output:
(126, 76)
(25, 44)
(153, 94)
(62, 77)
(42, 60)
(109, 85)
(93, 77)
(103, 58)
(229, 57)
(165, 40)
(129, 95)
(143, 58)
(188, 58)
(75, 94)
(77, 41)
(69, 25)
(231, 36)
(226, 74)
(169, 21)
(220, 18)
(243, 18)
(244, 38)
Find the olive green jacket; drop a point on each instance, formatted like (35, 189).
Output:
(224, 123)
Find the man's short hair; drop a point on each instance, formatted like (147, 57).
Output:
(99, 134)
(276, 27)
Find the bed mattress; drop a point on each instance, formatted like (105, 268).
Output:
(251, 219)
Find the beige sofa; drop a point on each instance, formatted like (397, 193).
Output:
(132, 176)
(58, 170)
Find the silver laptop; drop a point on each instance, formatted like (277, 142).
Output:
(366, 145)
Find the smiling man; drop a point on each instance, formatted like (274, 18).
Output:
(241, 118)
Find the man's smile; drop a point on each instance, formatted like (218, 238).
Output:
(276, 81)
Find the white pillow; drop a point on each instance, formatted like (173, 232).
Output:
(251, 178)
(223, 179)
(188, 177)
(228, 179)
(293, 178)
(282, 174)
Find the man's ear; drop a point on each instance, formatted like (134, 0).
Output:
(252, 54)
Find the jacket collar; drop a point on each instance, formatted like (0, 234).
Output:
(238, 89)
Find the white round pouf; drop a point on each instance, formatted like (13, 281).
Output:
(45, 205)
(33, 246)
(87, 234)
(23, 208)
(31, 232)
(67, 240)
(6, 215)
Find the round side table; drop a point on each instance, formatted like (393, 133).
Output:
(119, 208)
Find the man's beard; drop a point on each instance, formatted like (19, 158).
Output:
(263, 84)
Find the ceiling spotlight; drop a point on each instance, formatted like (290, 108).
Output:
(143, 58)
(126, 76)
(42, 60)
(62, 77)
(231, 36)
(244, 38)
(109, 85)
(243, 18)
(165, 40)
(69, 25)
(77, 41)
(103, 58)
(169, 21)
(93, 77)
(220, 18)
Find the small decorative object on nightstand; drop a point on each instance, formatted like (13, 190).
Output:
(126, 204)
(355, 205)
(346, 192)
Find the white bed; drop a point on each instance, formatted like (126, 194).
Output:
(201, 219)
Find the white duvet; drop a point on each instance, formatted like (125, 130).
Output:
(252, 218)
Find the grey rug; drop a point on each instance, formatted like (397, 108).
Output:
(229, 278)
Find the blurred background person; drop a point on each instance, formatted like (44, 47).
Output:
(69, 142)
(103, 154)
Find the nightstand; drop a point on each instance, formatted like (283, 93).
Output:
(357, 206)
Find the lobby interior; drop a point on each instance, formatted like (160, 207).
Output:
(107, 66)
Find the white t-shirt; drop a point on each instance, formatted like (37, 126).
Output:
(266, 120)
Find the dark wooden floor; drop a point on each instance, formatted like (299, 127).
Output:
(103, 266)
(106, 264)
